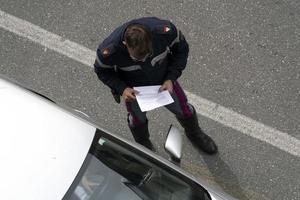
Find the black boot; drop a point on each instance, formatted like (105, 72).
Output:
(141, 135)
(196, 135)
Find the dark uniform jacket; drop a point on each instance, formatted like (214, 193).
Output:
(118, 70)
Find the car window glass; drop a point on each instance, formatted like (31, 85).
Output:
(113, 172)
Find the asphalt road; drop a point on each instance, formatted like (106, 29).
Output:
(244, 55)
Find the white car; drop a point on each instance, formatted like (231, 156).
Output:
(50, 152)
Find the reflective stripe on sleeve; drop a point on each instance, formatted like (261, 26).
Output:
(131, 68)
(176, 40)
(161, 56)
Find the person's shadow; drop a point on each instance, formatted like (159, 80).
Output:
(223, 176)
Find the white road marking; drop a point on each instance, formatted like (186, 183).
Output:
(204, 107)
(45, 38)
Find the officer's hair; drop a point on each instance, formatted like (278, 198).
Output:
(138, 37)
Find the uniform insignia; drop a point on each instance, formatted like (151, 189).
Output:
(167, 29)
(163, 29)
(105, 52)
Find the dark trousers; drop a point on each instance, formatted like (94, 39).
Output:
(180, 108)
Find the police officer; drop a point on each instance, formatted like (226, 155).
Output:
(143, 52)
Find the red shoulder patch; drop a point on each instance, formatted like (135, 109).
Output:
(107, 50)
(163, 29)
(166, 29)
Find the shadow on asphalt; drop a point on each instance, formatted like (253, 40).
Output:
(223, 176)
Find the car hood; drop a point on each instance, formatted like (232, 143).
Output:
(42, 147)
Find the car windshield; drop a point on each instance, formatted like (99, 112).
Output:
(113, 171)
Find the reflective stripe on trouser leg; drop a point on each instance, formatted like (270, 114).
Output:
(186, 109)
(135, 115)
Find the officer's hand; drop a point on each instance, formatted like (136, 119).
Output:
(129, 94)
(168, 85)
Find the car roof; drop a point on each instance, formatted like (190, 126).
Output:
(46, 142)
(42, 147)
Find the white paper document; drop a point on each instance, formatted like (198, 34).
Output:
(150, 98)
